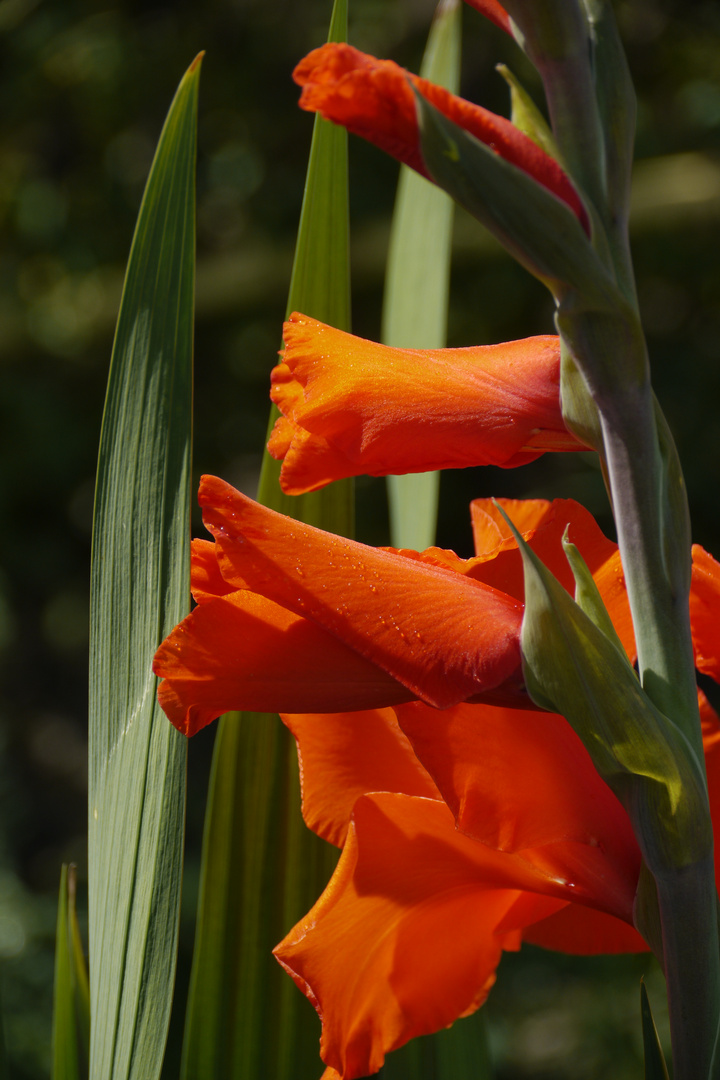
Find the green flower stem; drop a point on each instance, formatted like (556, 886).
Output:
(650, 509)
(555, 37)
(693, 980)
(658, 600)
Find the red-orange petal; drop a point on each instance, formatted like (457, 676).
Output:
(407, 936)
(583, 931)
(494, 11)
(206, 580)
(352, 406)
(345, 755)
(542, 525)
(374, 99)
(704, 607)
(441, 634)
(243, 651)
(523, 782)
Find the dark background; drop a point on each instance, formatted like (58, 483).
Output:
(84, 88)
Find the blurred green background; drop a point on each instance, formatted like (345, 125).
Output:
(84, 87)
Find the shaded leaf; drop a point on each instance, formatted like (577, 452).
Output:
(655, 1067)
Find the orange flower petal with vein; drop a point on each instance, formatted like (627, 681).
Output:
(441, 634)
(354, 407)
(374, 99)
(407, 936)
(345, 755)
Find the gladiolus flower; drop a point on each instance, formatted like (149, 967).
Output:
(467, 827)
(466, 831)
(351, 406)
(293, 619)
(374, 99)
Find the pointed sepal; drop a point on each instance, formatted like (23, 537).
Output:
(572, 667)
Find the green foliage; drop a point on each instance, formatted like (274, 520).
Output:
(71, 1012)
(139, 591)
(655, 1067)
(417, 282)
(538, 229)
(460, 1052)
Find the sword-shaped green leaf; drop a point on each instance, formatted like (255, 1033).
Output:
(262, 869)
(71, 996)
(139, 591)
(655, 1067)
(417, 282)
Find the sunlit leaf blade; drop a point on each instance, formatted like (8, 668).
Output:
(655, 1067)
(417, 282)
(139, 591)
(262, 869)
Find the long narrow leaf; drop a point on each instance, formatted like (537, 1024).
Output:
(139, 591)
(417, 282)
(64, 1033)
(71, 1000)
(655, 1067)
(262, 868)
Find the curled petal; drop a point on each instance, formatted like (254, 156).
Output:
(206, 580)
(374, 99)
(244, 652)
(407, 936)
(352, 406)
(345, 755)
(443, 635)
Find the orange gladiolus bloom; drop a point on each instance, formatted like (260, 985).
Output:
(354, 407)
(374, 98)
(293, 619)
(467, 831)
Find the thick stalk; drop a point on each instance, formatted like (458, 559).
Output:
(650, 509)
(693, 980)
(658, 597)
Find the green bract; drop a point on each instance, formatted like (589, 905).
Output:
(573, 667)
